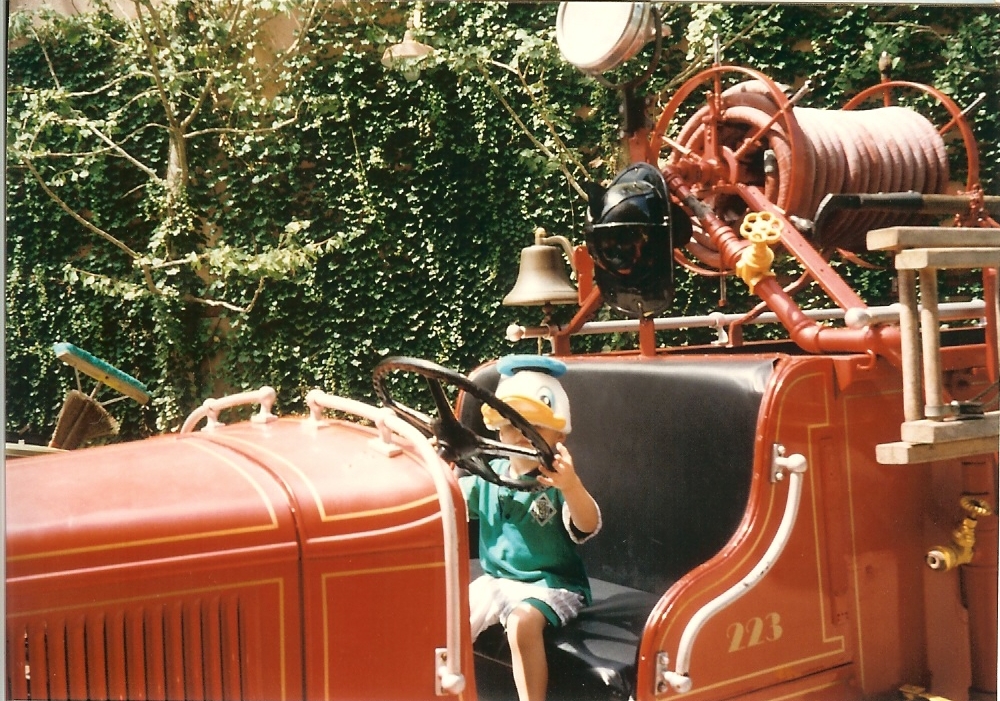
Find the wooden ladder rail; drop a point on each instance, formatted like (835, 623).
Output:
(920, 252)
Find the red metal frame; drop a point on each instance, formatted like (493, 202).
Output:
(295, 558)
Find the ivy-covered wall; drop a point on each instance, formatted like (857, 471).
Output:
(413, 198)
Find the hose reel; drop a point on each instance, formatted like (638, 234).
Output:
(753, 134)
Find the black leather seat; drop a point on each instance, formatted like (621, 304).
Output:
(592, 658)
(666, 448)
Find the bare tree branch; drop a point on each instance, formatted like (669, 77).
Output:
(229, 305)
(123, 153)
(534, 140)
(154, 64)
(116, 242)
(235, 130)
(48, 59)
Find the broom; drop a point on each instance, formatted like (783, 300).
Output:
(81, 419)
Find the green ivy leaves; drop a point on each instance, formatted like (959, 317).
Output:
(328, 212)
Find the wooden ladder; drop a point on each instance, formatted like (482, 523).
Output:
(932, 429)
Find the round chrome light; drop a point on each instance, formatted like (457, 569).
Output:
(598, 36)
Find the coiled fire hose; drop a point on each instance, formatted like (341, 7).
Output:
(888, 149)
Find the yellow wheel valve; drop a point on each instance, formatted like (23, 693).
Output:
(762, 230)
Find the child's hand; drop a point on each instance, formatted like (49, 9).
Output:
(563, 475)
(584, 513)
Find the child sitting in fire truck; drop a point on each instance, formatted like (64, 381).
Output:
(533, 576)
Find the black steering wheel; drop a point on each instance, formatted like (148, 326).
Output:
(456, 442)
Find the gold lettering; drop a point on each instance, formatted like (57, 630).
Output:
(775, 626)
(755, 631)
(735, 635)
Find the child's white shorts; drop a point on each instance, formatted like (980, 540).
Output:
(491, 599)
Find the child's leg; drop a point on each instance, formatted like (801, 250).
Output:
(525, 625)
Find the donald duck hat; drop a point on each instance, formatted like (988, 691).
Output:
(528, 383)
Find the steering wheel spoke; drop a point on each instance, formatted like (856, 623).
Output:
(457, 442)
(420, 421)
(489, 446)
(440, 399)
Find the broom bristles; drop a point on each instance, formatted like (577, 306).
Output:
(81, 419)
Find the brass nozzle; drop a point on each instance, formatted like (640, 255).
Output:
(963, 538)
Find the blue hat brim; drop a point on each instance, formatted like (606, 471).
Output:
(509, 364)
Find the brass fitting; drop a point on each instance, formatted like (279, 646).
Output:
(762, 230)
(912, 692)
(963, 538)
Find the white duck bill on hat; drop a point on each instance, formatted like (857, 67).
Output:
(536, 412)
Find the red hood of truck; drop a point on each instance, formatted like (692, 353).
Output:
(246, 486)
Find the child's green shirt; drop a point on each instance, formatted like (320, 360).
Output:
(526, 536)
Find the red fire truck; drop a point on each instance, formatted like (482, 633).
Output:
(808, 518)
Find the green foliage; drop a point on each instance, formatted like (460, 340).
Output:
(331, 213)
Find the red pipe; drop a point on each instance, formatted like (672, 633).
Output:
(809, 335)
(839, 291)
(589, 305)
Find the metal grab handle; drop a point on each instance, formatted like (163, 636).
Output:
(795, 465)
(210, 408)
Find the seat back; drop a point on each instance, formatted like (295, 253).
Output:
(666, 448)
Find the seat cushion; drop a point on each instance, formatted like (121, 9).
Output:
(591, 658)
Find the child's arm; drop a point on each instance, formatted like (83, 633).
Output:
(583, 509)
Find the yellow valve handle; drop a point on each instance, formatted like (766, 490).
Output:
(762, 229)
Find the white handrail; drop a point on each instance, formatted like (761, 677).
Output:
(210, 408)
(853, 318)
(449, 671)
(795, 465)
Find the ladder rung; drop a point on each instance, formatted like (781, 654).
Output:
(927, 431)
(899, 237)
(968, 258)
(904, 453)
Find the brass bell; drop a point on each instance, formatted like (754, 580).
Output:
(542, 278)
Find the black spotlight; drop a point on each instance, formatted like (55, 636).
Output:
(631, 230)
